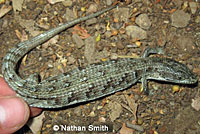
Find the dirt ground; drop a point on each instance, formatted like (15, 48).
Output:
(123, 32)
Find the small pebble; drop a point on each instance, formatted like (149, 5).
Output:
(78, 41)
(92, 114)
(114, 32)
(139, 121)
(193, 7)
(92, 8)
(134, 126)
(143, 21)
(67, 3)
(108, 2)
(180, 18)
(175, 88)
(136, 33)
(91, 21)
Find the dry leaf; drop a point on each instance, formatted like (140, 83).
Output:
(172, 11)
(157, 1)
(4, 10)
(81, 32)
(19, 35)
(125, 130)
(116, 110)
(29, 25)
(36, 123)
(132, 105)
(17, 5)
(54, 1)
(196, 103)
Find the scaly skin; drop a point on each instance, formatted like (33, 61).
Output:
(91, 82)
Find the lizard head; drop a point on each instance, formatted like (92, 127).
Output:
(172, 71)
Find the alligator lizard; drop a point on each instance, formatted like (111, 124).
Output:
(91, 82)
